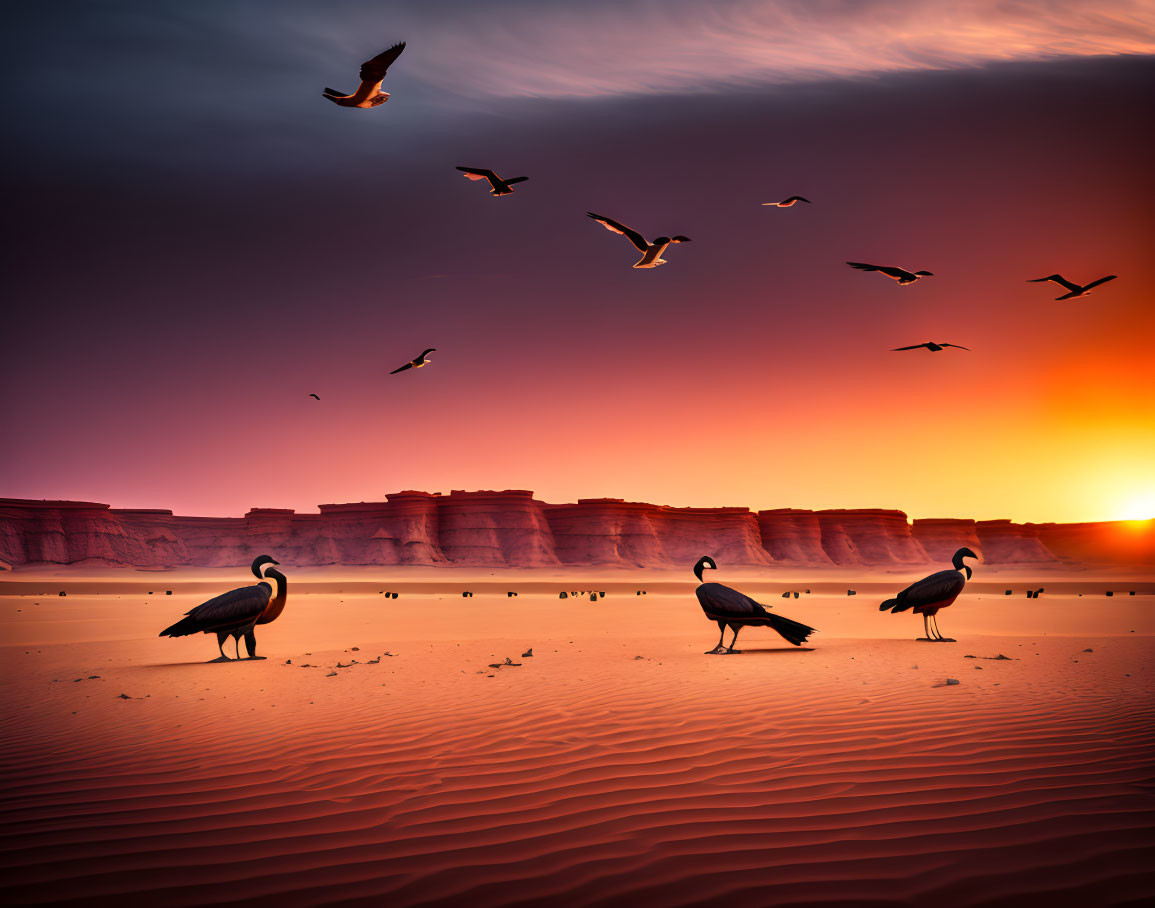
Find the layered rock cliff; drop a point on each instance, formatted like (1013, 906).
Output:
(513, 529)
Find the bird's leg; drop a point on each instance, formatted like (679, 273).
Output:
(221, 638)
(720, 648)
(237, 644)
(937, 631)
(926, 627)
(734, 640)
(251, 643)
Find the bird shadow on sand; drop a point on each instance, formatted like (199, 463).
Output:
(194, 664)
(775, 651)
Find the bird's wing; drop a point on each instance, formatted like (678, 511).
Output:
(798, 198)
(724, 602)
(1058, 279)
(235, 608)
(935, 588)
(911, 347)
(314, 395)
(862, 266)
(402, 369)
(513, 180)
(374, 70)
(333, 93)
(956, 346)
(479, 173)
(616, 227)
(1101, 280)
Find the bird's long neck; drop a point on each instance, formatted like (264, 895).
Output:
(277, 603)
(957, 561)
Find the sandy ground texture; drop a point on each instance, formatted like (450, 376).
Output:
(377, 756)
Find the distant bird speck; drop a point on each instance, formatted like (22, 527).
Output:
(651, 252)
(899, 274)
(499, 186)
(1076, 291)
(368, 93)
(786, 203)
(417, 363)
(931, 346)
(314, 396)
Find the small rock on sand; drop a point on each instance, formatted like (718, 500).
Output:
(527, 653)
(331, 675)
(1088, 650)
(952, 681)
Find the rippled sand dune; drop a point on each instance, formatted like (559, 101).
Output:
(616, 765)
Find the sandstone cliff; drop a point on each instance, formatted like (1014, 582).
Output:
(511, 528)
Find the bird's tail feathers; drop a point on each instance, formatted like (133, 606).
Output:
(793, 631)
(893, 605)
(182, 628)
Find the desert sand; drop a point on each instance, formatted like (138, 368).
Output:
(376, 756)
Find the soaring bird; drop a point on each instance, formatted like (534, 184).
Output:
(734, 610)
(786, 203)
(314, 396)
(417, 363)
(500, 186)
(899, 274)
(651, 252)
(933, 593)
(931, 346)
(1076, 290)
(368, 93)
(235, 613)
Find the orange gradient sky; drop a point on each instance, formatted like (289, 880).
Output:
(198, 254)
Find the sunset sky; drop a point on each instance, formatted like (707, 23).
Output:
(198, 241)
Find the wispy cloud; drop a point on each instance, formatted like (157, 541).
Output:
(512, 48)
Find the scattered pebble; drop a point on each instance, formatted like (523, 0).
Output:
(527, 653)
(331, 675)
(952, 681)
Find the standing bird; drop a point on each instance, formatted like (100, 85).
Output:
(734, 610)
(931, 346)
(651, 252)
(899, 274)
(786, 203)
(417, 363)
(236, 613)
(1076, 290)
(933, 593)
(500, 186)
(368, 93)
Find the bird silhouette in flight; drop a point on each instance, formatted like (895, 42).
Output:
(931, 346)
(417, 363)
(786, 203)
(368, 93)
(1075, 290)
(899, 274)
(500, 186)
(314, 396)
(651, 252)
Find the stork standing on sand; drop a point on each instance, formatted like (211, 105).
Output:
(932, 593)
(368, 93)
(236, 613)
(736, 610)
